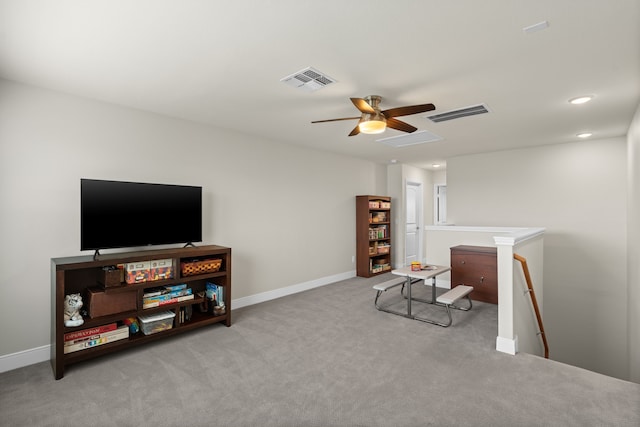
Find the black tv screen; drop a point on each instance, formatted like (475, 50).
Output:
(116, 214)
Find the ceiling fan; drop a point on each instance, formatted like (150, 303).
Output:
(373, 120)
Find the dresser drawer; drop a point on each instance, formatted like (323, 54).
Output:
(476, 266)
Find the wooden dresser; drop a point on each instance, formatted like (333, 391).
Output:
(476, 266)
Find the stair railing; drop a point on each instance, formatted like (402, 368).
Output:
(534, 302)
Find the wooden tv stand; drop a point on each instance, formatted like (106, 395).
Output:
(76, 274)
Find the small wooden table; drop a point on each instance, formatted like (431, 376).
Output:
(446, 300)
(427, 272)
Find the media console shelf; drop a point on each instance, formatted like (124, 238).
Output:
(73, 275)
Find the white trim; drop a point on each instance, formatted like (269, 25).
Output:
(9, 362)
(436, 202)
(290, 290)
(518, 236)
(32, 356)
(452, 227)
(510, 236)
(506, 345)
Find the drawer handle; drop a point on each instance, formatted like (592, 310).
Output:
(462, 262)
(481, 279)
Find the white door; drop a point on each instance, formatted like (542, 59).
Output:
(413, 242)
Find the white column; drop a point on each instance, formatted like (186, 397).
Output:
(507, 340)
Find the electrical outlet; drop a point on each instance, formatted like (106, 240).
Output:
(353, 259)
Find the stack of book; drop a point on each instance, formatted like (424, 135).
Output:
(156, 297)
(92, 337)
(215, 293)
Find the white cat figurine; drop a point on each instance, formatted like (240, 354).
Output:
(72, 305)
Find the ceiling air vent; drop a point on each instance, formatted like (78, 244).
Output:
(456, 114)
(419, 137)
(308, 80)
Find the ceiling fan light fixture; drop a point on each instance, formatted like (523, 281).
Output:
(372, 127)
(372, 124)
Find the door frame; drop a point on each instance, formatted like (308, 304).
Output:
(437, 201)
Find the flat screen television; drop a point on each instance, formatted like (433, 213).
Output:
(117, 214)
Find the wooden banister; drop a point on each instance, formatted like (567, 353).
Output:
(534, 301)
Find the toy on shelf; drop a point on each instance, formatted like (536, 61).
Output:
(72, 306)
(132, 323)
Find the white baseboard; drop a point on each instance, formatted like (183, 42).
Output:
(20, 359)
(506, 345)
(32, 356)
(289, 290)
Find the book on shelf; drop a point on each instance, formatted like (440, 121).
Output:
(185, 314)
(120, 333)
(176, 287)
(159, 303)
(378, 232)
(215, 292)
(167, 295)
(163, 290)
(71, 336)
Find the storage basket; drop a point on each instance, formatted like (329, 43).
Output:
(204, 266)
(384, 249)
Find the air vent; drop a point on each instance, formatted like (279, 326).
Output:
(456, 114)
(308, 80)
(419, 137)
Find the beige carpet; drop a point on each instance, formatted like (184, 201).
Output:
(324, 357)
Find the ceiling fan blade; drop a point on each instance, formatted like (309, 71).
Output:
(400, 125)
(408, 110)
(362, 105)
(356, 130)
(336, 120)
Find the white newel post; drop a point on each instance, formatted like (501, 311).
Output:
(507, 340)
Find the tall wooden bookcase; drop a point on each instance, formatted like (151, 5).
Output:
(373, 235)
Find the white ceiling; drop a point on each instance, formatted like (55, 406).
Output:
(220, 62)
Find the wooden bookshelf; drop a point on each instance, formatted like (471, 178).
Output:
(76, 274)
(373, 235)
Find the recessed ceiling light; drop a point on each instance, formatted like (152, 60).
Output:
(581, 99)
(584, 135)
(435, 165)
(536, 27)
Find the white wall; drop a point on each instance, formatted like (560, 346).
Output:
(288, 213)
(577, 191)
(633, 245)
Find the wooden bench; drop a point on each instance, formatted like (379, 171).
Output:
(385, 286)
(449, 298)
(390, 284)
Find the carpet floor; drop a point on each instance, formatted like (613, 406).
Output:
(324, 357)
